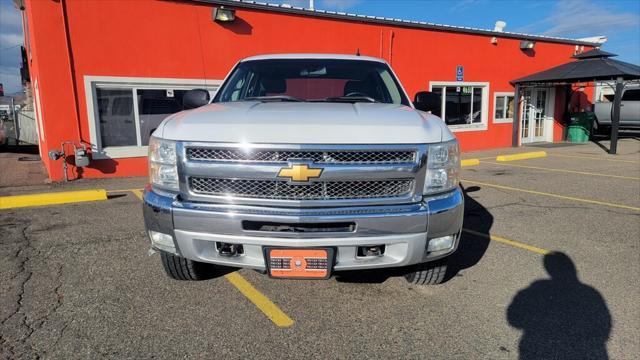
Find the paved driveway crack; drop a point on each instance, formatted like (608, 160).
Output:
(24, 254)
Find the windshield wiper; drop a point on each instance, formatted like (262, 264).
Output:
(274, 98)
(351, 99)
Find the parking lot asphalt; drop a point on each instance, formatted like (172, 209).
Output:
(549, 267)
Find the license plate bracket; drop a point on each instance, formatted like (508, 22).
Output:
(299, 263)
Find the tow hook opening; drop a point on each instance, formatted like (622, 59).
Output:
(226, 249)
(369, 251)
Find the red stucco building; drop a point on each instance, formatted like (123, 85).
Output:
(102, 71)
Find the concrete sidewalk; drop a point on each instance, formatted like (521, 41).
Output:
(21, 166)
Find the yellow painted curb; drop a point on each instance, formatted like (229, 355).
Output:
(18, 201)
(522, 156)
(470, 162)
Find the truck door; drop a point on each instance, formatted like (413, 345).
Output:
(630, 110)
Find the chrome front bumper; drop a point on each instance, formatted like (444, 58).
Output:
(404, 230)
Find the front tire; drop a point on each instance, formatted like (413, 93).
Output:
(430, 273)
(179, 268)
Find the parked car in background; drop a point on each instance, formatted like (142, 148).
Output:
(629, 111)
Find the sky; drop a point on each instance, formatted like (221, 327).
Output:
(618, 20)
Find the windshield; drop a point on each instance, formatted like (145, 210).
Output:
(317, 80)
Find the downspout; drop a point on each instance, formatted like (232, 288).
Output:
(391, 36)
(72, 73)
(381, 43)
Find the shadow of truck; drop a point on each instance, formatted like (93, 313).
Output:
(470, 250)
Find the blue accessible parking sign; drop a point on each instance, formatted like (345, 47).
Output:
(460, 73)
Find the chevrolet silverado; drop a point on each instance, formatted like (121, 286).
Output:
(302, 165)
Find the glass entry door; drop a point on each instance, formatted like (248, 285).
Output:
(533, 116)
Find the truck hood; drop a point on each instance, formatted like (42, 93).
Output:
(305, 123)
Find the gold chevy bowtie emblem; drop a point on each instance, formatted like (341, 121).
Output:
(299, 172)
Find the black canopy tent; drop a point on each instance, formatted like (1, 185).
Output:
(594, 65)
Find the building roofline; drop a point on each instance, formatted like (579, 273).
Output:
(288, 9)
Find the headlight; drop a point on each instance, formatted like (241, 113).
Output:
(163, 170)
(443, 167)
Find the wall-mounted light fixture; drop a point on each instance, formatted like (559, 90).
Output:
(527, 45)
(223, 15)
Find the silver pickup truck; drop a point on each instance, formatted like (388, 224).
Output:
(302, 165)
(629, 111)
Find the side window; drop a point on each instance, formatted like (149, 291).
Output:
(155, 105)
(122, 106)
(438, 90)
(503, 108)
(126, 115)
(103, 106)
(116, 118)
(463, 104)
(631, 95)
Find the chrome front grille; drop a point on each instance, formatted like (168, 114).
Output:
(349, 157)
(283, 190)
(352, 175)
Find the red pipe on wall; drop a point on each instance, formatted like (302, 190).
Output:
(72, 73)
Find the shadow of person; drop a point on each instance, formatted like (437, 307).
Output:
(560, 317)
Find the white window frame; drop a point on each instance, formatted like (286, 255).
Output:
(133, 83)
(485, 104)
(495, 97)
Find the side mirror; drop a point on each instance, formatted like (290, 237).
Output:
(427, 101)
(195, 98)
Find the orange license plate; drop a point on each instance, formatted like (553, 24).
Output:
(299, 263)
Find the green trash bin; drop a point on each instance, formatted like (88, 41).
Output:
(580, 125)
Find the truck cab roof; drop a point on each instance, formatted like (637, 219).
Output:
(312, 56)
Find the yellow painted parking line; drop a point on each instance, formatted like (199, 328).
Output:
(469, 162)
(138, 193)
(271, 310)
(513, 243)
(594, 158)
(55, 198)
(564, 171)
(122, 190)
(522, 156)
(571, 198)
